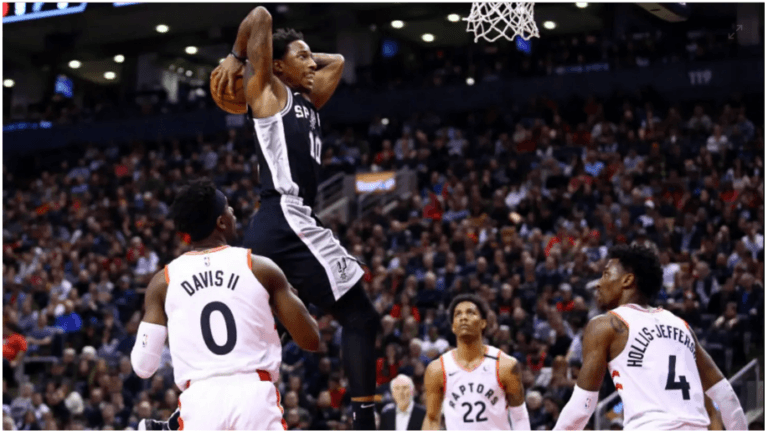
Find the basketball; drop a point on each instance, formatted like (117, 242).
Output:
(233, 104)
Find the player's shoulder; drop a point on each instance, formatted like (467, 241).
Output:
(435, 370)
(606, 324)
(506, 359)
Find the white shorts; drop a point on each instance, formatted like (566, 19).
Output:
(665, 425)
(238, 402)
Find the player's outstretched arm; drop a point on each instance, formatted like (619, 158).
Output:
(150, 337)
(511, 377)
(598, 336)
(719, 389)
(288, 307)
(433, 385)
(327, 77)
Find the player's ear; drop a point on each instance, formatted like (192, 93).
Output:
(628, 280)
(277, 66)
(220, 222)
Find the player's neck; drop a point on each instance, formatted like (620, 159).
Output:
(208, 244)
(636, 299)
(469, 350)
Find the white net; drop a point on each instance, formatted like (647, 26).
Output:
(492, 20)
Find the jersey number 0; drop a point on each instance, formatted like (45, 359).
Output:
(229, 323)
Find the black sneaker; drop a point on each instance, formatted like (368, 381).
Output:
(153, 424)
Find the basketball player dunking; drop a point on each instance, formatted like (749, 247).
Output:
(285, 86)
(655, 360)
(477, 386)
(215, 304)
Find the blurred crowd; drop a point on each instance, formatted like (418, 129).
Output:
(549, 55)
(415, 66)
(519, 208)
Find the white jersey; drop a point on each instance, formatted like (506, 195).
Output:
(656, 373)
(219, 319)
(474, 400)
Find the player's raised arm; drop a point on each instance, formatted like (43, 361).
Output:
(253, 42)
(150, 337)
(512, 378)
(598, 336)
(719, 389)
(288, 307)
(327, 77)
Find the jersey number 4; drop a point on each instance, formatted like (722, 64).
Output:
(229, 323)
(315, 147)
(681, 384)
(479, 417)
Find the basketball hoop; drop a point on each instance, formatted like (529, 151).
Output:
(492, 20)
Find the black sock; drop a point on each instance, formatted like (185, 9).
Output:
(363, 416)
(360, 323)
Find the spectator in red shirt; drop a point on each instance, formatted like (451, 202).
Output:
(387, 366)
(14, 348)
(336, 390)
(566, 304)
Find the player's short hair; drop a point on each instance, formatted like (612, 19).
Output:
(644, 264)
(194, 208)
(281, 39)
(468, 297)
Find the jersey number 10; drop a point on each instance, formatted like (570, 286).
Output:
(315, 147)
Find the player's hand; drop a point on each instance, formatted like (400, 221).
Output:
(225, 75)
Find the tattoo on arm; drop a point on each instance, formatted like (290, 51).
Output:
(617, 325)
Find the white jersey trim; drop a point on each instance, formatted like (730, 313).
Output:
(271, 136)
(296, 227)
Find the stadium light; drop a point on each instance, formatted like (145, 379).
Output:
(549, 25)
(398, 24)
(582, 5)
(8, 83)
(470, 81)
(428, 37)
(109, 75)
(162, 28)
(385, 121)
(188, 73)
(74, 64)
(191, 50)
(119, 58)
(454, 18)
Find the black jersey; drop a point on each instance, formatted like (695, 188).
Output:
(290, 148)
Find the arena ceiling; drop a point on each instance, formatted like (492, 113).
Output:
(102, 30)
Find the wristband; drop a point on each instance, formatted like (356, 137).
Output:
(241, 59)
